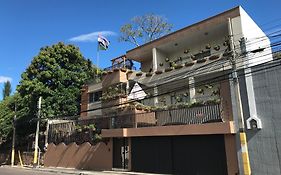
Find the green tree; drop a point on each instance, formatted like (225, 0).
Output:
(143, 29)
(6, 118)
(57, 74)
(7, 89)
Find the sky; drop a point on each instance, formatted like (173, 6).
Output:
(28, 25)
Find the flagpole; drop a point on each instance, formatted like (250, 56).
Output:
(98, 57)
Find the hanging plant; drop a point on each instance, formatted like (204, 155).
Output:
(208, 46)
(104, 73)
(161, 64)
(167, 59)
(109, 72)
(186, 51)
(217, 47)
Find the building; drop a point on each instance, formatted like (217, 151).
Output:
(179, 113)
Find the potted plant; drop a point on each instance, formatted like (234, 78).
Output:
(139, 74)
(115, 69)
(200, 91)
(208, 46)
(187, 64)
(215, 92)
(225, 43)
(186, 51)
(214, 57)
(123, 69)
(178, 66)
(158, 72)
(201, 60)
(168, 69)
(192, 57)
(148, 74)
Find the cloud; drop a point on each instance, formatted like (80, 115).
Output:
(91, 37)
(5, 79)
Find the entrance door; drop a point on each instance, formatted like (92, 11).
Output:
(120, 153)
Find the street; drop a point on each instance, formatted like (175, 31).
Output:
(22, 171)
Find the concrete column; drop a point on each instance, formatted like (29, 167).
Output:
(191, 89)
(155, 93)
(250, 92)
(154, 68)
(154, 59)
(230, 154)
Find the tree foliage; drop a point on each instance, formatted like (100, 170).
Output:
(143, 29)
(7, 89)
(6, 117)
(57, 74)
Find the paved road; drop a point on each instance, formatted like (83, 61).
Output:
(20, 171)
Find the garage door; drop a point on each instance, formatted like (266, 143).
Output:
(193, 155)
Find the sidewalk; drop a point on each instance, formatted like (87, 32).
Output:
(80, 172)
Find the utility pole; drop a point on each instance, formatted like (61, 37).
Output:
(242, 134)
(14, 138)
(37, 133)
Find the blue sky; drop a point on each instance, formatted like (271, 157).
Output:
(26, 26)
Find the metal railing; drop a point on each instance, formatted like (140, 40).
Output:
(185, 116)
(182, 116)
(67, 132)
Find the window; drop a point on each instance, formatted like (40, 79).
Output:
(95, 96)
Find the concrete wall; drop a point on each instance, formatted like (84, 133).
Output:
(264, 145)
(85, 156)
(255, 38)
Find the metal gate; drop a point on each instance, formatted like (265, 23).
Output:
(120, 153)
(192, 155)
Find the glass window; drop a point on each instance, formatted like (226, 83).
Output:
(95, 96)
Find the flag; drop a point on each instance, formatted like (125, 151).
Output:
(103, 43)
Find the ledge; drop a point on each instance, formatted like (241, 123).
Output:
(200, 129)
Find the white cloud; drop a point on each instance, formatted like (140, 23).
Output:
(5, 79)
(91, 37)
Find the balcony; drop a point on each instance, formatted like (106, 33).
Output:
(182, 116)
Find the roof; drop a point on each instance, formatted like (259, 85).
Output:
(144, 49)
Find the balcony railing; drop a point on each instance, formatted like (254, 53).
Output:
(183, 116)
